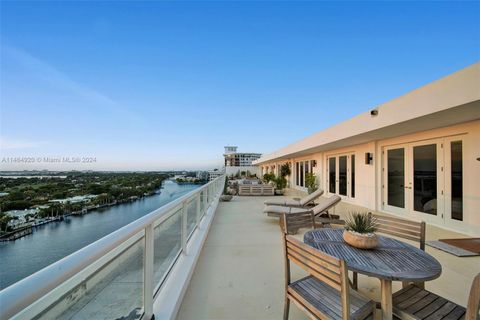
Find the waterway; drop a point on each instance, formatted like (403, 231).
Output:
(53, 241)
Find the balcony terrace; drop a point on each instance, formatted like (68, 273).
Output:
(194, 258)
(239, 274)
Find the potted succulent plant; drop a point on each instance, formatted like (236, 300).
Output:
(360, 230)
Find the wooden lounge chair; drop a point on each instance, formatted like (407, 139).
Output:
(325, 293)
(413, 302)
(324, 204)
(401, 228)
(301, 203)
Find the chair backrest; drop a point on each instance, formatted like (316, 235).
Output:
(325, 204)
(328, 269)
(297, 220)
(401, 228)
(473, 305)
(311, 197)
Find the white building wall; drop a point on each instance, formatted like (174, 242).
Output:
(369, 177)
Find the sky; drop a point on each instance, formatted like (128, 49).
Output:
(166, 85)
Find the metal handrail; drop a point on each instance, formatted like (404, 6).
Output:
(27, 291)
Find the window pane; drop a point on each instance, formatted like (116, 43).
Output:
(331, 175)
(425, 179)
(307, 170)
(301, 174)
(352, 176)
(297, 174)
(342, 175)
(396, 177)
(457, 180)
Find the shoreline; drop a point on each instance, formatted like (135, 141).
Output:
(11, 236)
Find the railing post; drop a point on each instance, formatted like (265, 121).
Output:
(199, 213)
(148, 273)
(184, 228)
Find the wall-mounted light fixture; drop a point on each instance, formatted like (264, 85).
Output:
(368, 157)
(314, 163)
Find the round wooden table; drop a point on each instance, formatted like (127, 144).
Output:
(392, 260)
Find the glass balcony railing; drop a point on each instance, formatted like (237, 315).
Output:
(118, 276)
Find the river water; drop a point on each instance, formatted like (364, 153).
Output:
(53, 241)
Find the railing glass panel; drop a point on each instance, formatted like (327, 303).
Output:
(114, 291)
(167, 246)
(202, 203)
(191, 208)
(117, 276)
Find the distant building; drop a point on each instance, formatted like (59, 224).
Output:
(203, 175)
(236, 162)
(75, 199)
(20, 217)
(215, 173)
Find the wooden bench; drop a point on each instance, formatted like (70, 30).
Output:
(255, 190)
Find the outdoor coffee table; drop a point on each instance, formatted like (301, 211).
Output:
(392, 260)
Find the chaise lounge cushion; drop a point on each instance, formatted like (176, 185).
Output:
(278, 211)
(323, 205)
(295, 203)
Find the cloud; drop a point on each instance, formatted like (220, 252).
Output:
(10, 144)
(48, 73)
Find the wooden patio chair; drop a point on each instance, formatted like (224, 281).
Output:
(401, 228)
(325, 293)
(291, 222)
(413, 302)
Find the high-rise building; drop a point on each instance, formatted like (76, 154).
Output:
(236, 162)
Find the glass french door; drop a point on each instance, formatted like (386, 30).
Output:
(424, 180)
(301, 169)
(395, 185)
(453, 149)
(341, 175)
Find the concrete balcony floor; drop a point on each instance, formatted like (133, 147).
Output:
(239, 274)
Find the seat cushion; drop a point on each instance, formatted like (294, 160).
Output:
(417, 303)
(277, 211)
(283, 203)
(327, 300)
